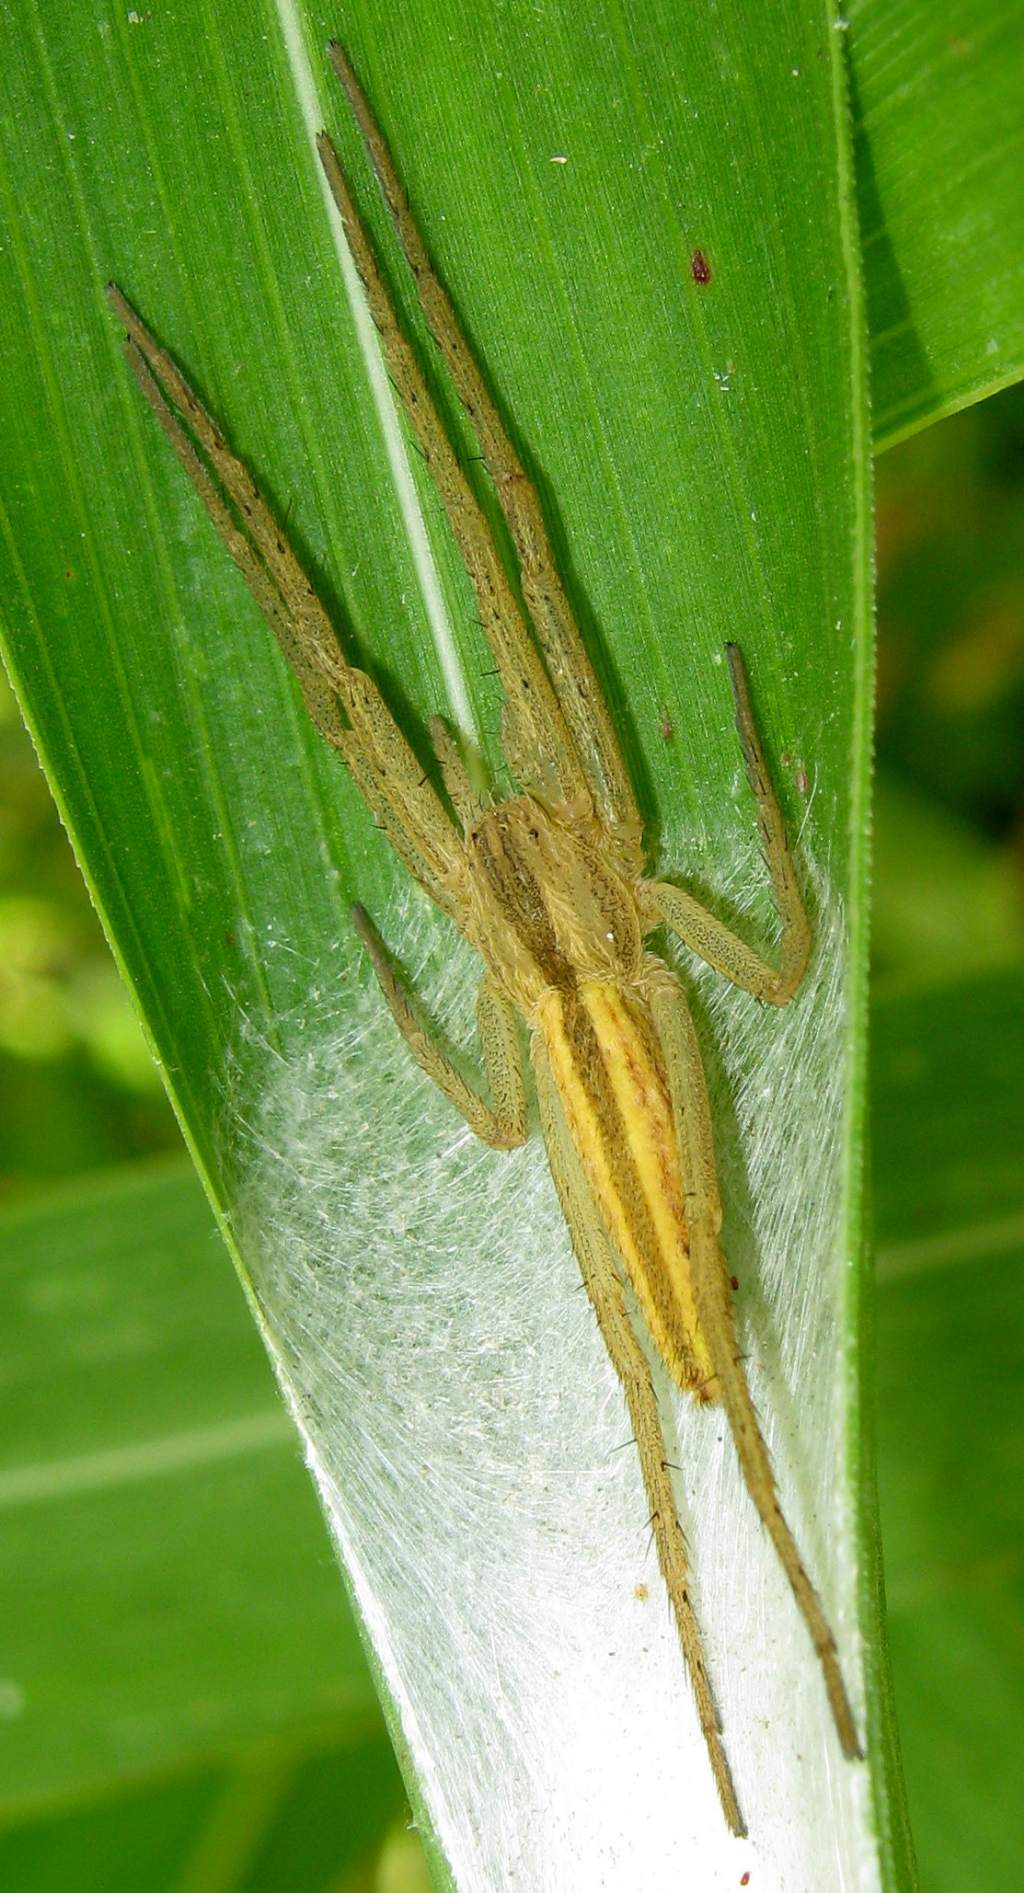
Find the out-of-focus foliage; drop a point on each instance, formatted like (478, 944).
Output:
(284, 1820)
(949, 852)
(948, 1130)
(951, 608)
(936, 94)
(79, 1086)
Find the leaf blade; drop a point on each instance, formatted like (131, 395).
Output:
(234, 863)
(938, 146)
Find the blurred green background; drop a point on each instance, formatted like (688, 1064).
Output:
(168, 1748)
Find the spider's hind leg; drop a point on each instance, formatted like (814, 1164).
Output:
(688, 1090)
(604, 1289)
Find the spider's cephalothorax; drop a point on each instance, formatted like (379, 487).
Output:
(544, 909)
(549, 887)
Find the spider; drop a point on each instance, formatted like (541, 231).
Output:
(549, 886)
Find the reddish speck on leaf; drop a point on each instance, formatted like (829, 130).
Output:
(700, 268)
(734, 1282)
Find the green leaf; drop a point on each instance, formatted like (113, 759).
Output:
(945, 898)
(949, 1127)
(702, 452)
(165, 1588)
(276, 1819)
(939, 147)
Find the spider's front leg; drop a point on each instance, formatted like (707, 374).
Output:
(503, 1125)
(559, 738)
(343, 702)
(536, 741)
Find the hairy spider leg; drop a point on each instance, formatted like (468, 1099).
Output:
(565, 653)
(386, 770)
(709, 937)
(465, 798)
(505, 1124)
(688, 1090)
(536, 738)
(382, 765)
(604, 1288)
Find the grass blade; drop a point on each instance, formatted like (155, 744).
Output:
(707, 478)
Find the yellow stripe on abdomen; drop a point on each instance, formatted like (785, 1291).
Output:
(606, 1065)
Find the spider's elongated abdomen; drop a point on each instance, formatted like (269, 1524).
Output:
(609, 1073)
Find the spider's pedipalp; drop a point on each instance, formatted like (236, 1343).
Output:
(463, 794)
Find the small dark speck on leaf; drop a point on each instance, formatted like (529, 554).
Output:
(700, 268)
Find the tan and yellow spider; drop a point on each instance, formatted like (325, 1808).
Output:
(550, 888)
